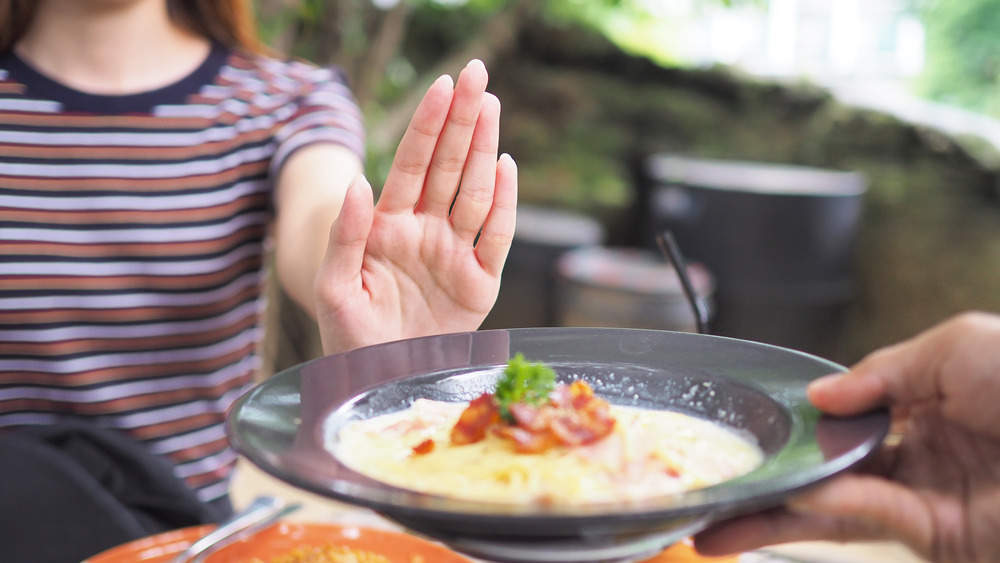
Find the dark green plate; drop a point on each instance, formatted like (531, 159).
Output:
(286, 424)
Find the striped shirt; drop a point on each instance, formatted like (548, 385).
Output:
(132, 235)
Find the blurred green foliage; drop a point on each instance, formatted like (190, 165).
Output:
(345, 32)
(963, 53)
(390, 51)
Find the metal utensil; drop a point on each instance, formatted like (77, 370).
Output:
(672, 252)
(258, 514)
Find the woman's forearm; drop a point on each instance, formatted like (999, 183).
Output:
(309, 197)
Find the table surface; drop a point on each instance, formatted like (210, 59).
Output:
(249, 481)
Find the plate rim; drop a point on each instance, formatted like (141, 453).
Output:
(572, 516)
(189, 534)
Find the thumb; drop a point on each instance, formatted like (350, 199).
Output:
(953, 364)
(869, 507)
(349, 235)
(847, 508)
(897, 375)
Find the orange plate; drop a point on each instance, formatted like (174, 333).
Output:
(683, 552)
(279, 540)
(282, 538)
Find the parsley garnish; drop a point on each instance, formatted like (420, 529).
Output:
(523, 382)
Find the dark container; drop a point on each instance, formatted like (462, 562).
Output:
(599, 286)
(779, 239)
(527, 295)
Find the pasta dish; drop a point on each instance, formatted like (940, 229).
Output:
(560, 446)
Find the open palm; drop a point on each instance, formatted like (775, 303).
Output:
(427, 258)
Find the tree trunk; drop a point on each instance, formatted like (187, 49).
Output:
(498, 35)
(386, 44)
(282, 14)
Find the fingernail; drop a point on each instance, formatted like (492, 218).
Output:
(512, 163)
(821, 384)
(478, 62)
(358, 180)
(444, 78)
(801, 504)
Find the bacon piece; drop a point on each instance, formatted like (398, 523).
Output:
(530, 417)
(405, 426)
(582, 417)
(574, 428)
(581, 394)
(574, 416)
(561, 397)
(573, 396)
(472, 424)
(425, 447)
(525, 441)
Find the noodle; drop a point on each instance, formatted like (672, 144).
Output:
(649, 453)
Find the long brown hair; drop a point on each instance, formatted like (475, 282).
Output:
(230, 22)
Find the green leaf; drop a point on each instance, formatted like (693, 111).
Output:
(523, 382)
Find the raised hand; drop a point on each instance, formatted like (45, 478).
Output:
(427, 258)
(938, 489)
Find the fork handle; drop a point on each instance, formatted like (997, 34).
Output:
(261, 512)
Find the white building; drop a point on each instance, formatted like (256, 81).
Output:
(864, 51)
(838, 38)
(825, 40)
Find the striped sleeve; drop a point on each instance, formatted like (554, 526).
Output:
(323, 111)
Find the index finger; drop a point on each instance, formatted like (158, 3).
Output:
(406, 178)
(956, 363)
(452, 153)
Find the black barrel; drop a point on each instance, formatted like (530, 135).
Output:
(600, 286)
(779, 239)
(527, 288)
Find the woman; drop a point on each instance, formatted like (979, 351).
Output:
(149, 152)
